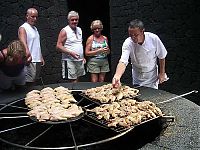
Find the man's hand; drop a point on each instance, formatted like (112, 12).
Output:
(84, 60)
(42, 61)
(28, 58)
(116, 82)
(74, 55)
(162, 77)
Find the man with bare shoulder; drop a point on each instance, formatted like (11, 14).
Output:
(69, 43)
(30, 37)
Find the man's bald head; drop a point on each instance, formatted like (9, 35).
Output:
(31, 10)
(31, 16)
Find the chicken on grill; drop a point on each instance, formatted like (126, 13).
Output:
(106, 93)
(52, 104)
(127, 112)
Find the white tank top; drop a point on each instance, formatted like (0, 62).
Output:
(33, 41)
(73, 43)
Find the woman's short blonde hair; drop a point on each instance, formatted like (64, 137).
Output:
(16, 47)
(96, 23)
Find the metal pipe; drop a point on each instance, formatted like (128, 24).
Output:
(176, 97)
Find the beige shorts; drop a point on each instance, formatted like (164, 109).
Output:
(33, 71)
(72, 69)
(98, 65)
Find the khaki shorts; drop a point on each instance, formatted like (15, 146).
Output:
(33, 71)
(72, 69)
(98, 65)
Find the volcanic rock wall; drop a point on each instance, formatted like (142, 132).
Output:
(52, 18)
(175, 22)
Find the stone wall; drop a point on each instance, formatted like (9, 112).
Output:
(52, 18)
(175, 22)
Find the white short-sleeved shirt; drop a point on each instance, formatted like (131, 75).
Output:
(73, 43)
(143, 58)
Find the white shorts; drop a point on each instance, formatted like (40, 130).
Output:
(72, 69)
(7, 82)
(33, 71)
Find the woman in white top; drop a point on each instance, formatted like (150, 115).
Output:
(144, 48)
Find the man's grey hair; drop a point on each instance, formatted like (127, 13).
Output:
(136, 23)
(72, 14)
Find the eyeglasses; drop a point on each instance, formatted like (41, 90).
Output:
(97, 28)
(137, 35)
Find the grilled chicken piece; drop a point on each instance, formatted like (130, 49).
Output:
(33, 92)
(33, 104)
(157, 111)
(106, 115)
(74, 110)
(62, 90)
(115, 112)
(43, 116)
(47, 89)
(113, 124)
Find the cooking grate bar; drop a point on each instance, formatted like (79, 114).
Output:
(38, 136)
(13, 106)
(15, 113)
(89, 105)
(99, 123)
(10, 104)
(14, 117)
(80, 101)
(75, 145)
(17, 127)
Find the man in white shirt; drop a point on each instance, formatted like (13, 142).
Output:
(144, 48)
(30, 37)
(70, 44)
